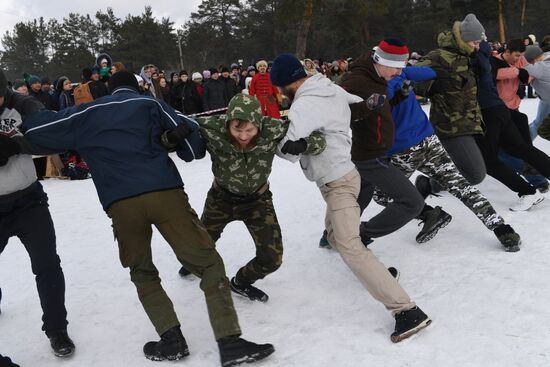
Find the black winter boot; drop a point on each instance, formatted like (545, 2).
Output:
(508, 237)
(248, 290)
(235, 350)
(62, 345)
(409, 322)
(171, 346)
(184, 272)
(434, 219)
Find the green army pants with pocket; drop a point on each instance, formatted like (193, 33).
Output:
(169, 211)
(258, 214)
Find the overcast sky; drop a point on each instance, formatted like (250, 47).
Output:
(13, 11)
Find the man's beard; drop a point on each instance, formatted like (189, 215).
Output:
(237, 144)
(289, 93)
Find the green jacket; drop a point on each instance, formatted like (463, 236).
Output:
(454, 109)
(243, 172)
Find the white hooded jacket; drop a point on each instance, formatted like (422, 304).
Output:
(541, 72)
(320, 105)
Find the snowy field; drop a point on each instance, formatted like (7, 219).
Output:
(489, 307)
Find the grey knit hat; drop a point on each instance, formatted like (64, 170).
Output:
(471, 29)
(532, 52)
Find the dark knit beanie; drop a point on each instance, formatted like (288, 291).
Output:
(45, 80)
(123, 78)
(184, 72)
(225, 69)
(213, 71)
(286, 70)
(34, 80)
(3, 84)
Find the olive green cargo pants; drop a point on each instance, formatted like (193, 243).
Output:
(169, 211)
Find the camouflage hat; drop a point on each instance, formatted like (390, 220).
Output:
(244, 107)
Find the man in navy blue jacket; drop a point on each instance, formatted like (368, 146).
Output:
(139, 186)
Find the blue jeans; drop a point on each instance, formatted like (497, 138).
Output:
(517, 165)
(542, 112)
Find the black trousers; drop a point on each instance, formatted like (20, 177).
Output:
(29, 219)
(406, 204)
(509, 130)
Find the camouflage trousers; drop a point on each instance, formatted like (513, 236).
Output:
(430, 158)
(544, 128)
(258, 214)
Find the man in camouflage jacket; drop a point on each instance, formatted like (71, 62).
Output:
(454, 112)
(240, 190)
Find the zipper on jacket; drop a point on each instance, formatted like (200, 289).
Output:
(379, 136)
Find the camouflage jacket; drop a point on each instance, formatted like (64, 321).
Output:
(454, 110)
(243, 172)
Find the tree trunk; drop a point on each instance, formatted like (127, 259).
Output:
(301, 40)
(501, 32)
(523, 6)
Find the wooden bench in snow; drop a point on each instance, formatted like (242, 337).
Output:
(53, 167)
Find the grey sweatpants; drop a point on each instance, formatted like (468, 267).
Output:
(467, 157)
(406, 202)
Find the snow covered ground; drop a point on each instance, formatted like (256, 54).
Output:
(490, 308)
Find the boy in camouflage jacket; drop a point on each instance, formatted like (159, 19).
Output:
(242, 145)
(455, 113)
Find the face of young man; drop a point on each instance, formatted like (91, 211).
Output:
(184, 78)
(244, 133)
(387, 72)
(45, 87)
(215, 76)
(474, 44)
(23, 90)
(511, 57)
(36, 87)
(95, 76)
(225, 74)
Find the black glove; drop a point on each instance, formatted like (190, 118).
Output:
(296, 147)
(406, 88)
(523, 76)
(8, 147)
(171, 138)
(375, 101)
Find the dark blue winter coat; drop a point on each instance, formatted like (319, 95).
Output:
(487, 93)
(411, 123)
(118, 137)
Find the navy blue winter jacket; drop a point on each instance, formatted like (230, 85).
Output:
(118, 137)
(487, 93)
(411, 123)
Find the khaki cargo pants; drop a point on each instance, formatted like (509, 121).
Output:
(169, 211)
(342, 223)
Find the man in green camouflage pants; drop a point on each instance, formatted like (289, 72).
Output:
(242, 145)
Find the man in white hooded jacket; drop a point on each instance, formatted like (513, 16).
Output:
(320, 105)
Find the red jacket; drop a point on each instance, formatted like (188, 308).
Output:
(266, 93)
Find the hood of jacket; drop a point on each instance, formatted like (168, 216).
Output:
(316, 86)
(244, 107)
